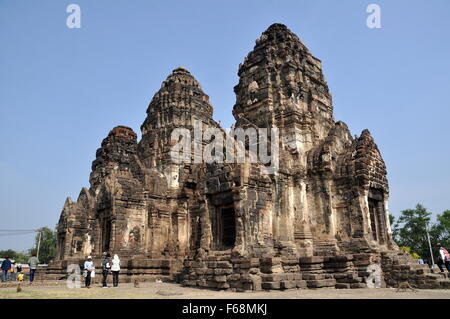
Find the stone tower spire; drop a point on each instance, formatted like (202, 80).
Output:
(117, 152)
(179, 98)
(281, 84)
(178, 104)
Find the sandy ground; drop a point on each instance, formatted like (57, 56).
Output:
(154, 290)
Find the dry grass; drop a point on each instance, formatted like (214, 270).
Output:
(153, 290)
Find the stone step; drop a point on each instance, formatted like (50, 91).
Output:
(321, 283)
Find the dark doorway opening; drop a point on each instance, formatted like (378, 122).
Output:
(373, 205)
(377, 214)
(106, 235)
(61, 245)
(227, 227)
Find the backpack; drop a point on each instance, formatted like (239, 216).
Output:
(446, 254)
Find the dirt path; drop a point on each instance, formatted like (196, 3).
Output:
(153, 290)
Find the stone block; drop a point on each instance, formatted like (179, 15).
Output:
(311, 260)
(270, 261)
(268, 269)
(302, 284)
(342, 286)
(288, 284)
(273, 277)
(201, 271)
(222, 285)
(358, 285)
(221, 271)
(220, 278)
(313, 276)
(224, 264)
(271, 285)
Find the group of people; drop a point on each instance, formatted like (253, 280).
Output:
(112, 265)
(108, 265)
(12, 271)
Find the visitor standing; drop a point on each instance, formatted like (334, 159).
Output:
(6, 266)
(443, 258)
(12, 271)
(115, 268)
(33, 262)
(106, 266)
(88, 269)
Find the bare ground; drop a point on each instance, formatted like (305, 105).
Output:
(155, 290)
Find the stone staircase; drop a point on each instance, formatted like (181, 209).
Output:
(223, 270)
(399, 267)
(344, 271)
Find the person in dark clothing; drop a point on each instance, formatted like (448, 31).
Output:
(6, 266)
(106, 266)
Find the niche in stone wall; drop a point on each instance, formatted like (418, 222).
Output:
(377, 214)
(61, 245)
(106, 234)
(226, 227)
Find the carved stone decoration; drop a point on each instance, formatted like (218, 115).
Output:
(319, 221)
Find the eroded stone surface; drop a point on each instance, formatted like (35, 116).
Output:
(320, 221)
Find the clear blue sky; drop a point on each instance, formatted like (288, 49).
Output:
(62, 90)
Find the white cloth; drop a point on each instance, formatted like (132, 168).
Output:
(115, 263)
(444, 254)
(89, 265)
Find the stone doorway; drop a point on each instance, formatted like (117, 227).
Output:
(377, 215)
(226, 231)
(61, 245)
(373, 217)
(106, 235)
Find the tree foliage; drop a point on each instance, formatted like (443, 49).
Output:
(18, 257)
(441, 230)
(410, 231)
(47, 245)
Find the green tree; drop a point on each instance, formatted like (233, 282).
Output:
(47, 245)
(391, 219)
(440, 232)
(18, 257)
(411, 230)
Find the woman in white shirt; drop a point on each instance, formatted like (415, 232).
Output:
(115, 268)
(88, 269)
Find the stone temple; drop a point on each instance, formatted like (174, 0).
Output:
(320, 221)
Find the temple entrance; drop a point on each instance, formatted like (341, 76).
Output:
(373, 217)
(61, 245)
(106, 235)
(377, 214)
(226, 228)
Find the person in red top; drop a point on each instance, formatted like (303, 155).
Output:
(443, 258)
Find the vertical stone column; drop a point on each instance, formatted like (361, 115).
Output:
(382, 226)
(112, 241)
(205, 224)
(302, 230)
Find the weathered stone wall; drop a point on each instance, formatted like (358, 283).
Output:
(319, 221)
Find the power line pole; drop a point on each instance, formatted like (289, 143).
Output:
(429, 245)
(39, 244)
